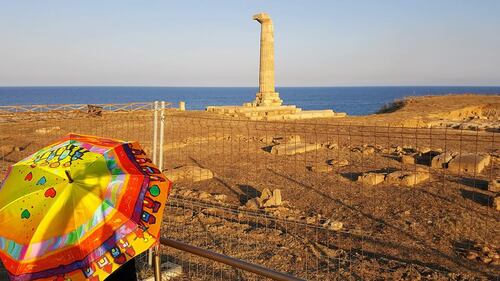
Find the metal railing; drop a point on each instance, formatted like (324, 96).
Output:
(236, 263)
(116, 107)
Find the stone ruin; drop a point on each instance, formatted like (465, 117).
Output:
(267, 104)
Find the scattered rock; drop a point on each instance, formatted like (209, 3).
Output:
(336, 225)
(472, 255)
(368, 150)
(188, 173)
(311, 220)
(338, 163)
(469, 163)
(496, 203)
(275, 199)
(266, 139)
(253, 204)
(321, 168)
(265, 194)
(441, 161)
(294, 148)
(220, 197)
(407, 178)
(424, 150)
(331, 145)
(204, 195)
(408, 159)
(6, 148)
(45, 131)
(396, 149)
(365, 150)
(494, 185)
(487, 254)
(266, 200)
(371, 178)
(287, 139)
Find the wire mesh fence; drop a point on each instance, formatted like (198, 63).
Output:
(321, 200)
(328, 201)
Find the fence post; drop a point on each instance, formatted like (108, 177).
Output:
(162, 126)
(156, 252)
(154, 151)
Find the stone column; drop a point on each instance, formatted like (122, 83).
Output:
(266, 95)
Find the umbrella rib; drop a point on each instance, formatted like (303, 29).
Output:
(74, 221)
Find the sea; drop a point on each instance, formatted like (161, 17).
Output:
(352, 100)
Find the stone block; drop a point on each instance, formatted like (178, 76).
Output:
(294, 148)
(371, 178)
(407, 178)
(188, 173)
(321, 168)
(275, 199)
(441, 161)
(265, 194)
(338, 163)
(469, 163)
(408, 159)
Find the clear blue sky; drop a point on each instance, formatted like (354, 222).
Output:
(215, 43)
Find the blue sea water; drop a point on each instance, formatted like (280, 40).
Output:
(353, 100)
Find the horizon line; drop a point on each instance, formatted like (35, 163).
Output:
(188, 86)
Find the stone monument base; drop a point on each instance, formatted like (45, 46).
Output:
(273, 113)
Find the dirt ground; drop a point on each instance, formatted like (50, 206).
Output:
(389, 231)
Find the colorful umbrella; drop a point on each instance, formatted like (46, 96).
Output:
(79, 208)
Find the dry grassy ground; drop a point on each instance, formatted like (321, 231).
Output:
(389, 231)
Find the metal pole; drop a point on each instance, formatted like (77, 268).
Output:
(154, 153)
(157, 262)
(257, 269)
(157, 257)
(162, 126)
(155, 132)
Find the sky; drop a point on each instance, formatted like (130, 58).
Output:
(216, 43)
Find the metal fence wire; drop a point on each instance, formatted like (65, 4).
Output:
(318, 199)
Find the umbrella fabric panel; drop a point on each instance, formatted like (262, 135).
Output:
(106, 199)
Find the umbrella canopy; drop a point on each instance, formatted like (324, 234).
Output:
(79, 208)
